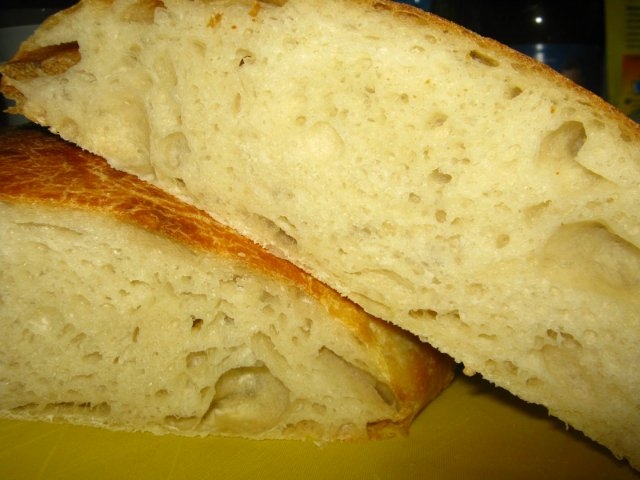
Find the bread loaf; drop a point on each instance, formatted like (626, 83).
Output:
(124, 308)
(440, 180)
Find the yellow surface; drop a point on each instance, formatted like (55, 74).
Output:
(472, 431)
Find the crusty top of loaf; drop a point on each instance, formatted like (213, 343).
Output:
(39, 168)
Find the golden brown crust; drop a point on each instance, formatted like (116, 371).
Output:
(39, 168)
(33, 63)
(49, 60)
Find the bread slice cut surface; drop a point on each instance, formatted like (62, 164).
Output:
(124, 308)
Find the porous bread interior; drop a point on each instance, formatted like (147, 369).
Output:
(443, 183)
(117, 327)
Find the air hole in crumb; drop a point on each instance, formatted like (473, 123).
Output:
(423, 314)
(180, 183)
(236, 104)
(227, 320)
(78, 338)
(440, 177)
(454, 316)
(483, 58)
(268, 297)
(306, 327)
(441, 216)
(195, 359)
(386, 394)
(245, 57)
(181, 423)
(93, 357)
(68, 329)
(487, 336)
(162, 393)
(534, 211)
(534, 382)
(135, 334)
(589, 253)
(510, 367)
(279, 235)
(514, 92)
(196, 324)
(569, 341)
(502, 240)
(559, 151)
(414, 198)
(205, 392)
(437, 120)
(248, 400)
(571, 135)
(174, 149)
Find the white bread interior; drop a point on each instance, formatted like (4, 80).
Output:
(440, 180)
(181, 327)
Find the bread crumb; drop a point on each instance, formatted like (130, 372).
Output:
(469, 372)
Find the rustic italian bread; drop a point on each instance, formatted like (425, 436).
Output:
(440, 180)
(124, 308)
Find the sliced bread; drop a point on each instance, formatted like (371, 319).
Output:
(439, 179)
(124, 308)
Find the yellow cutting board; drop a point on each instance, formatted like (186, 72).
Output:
(472, 431)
